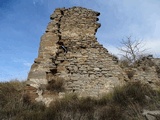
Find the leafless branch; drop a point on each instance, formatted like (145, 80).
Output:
(132, 50)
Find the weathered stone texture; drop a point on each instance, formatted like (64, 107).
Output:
(146, 70)
(69, 50)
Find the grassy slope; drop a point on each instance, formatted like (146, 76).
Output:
(125, 103)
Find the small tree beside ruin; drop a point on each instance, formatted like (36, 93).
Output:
(132, 50)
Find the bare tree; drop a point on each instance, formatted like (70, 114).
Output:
(132, 50)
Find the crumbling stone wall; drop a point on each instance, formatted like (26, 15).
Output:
(145, 70)
(69, 50)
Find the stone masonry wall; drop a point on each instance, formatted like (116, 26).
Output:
(146, 70)
(69, 50)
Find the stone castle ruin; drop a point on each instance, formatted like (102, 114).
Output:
(69, 52)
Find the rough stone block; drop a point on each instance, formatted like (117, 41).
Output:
(37, 75)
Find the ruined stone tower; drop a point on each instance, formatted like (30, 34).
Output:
(69, 51)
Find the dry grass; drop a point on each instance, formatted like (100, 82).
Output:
(55, 85)
(125, 103)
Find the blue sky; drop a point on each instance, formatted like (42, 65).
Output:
(23, 22)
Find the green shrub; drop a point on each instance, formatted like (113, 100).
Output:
(132, 92)
(111, 112)
(104, 100)
(134, 112)
(10, 98)
(86, 105)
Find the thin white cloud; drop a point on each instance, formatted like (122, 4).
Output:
(28, 64)
(23, 62)
(35, 2)
(153, 46)
(119, 18)
(112, 49)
